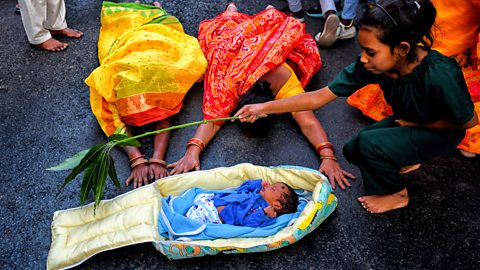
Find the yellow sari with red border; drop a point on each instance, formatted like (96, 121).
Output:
(147, 65)
(241, 48)
(457, 35)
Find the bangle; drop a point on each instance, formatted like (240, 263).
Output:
(138, 162)
(157, 160)
(329, 157)
(135, 158)
(324, 145)
(197, 142)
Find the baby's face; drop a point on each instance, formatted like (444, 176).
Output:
(272, 194)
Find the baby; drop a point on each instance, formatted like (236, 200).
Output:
(253, 204)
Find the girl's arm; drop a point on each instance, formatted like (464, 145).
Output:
(303, 102)
(191, 159)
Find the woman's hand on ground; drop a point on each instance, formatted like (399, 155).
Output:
(335, 173)
(250, 113)
(157, 171)
(187, 163)
(139, 175)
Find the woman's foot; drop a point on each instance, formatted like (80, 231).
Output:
(410, 168)
(376, 204)
(468, 154)
(52, 45)
(231, 7)
(157, 4)
(68, 32)
(270, 7)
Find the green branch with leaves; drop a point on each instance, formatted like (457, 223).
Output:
(96, 163)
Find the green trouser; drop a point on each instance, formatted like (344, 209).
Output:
(381, 149)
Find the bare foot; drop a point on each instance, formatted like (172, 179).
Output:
(382, 203)
(231, 7)
(68, 32)
(52, 45)
(270, 7)
(410, 168)
(157, 4)
(468, 154)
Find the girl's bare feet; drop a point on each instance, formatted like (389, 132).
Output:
(52, 45)
(382, 203)
(270, 7)
(157, 4)
(410, 168)
(231, 7)
(68, 32)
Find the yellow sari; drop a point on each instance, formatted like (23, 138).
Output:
(147, 65)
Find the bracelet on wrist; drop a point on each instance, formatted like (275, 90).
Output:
(157, 160)
(197, 142)
(324, 145)
(328, 157)
(138, 162)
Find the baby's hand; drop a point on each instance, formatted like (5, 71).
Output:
(270, 212)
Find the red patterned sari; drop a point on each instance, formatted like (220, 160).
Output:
(240, 49)
(458, 36)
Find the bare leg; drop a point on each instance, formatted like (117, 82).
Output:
(231, 7)
(52, 45)
(410, 168)
(376, 204)
(68, 32)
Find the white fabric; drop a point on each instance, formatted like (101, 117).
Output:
(39, 16)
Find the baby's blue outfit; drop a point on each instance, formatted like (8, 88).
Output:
(245, 206)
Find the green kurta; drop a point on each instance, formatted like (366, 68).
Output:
(435, 90)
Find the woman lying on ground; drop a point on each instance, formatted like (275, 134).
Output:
(246, 55)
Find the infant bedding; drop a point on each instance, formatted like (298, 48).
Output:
(132, 218)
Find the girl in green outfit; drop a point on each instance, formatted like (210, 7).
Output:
(431, 105)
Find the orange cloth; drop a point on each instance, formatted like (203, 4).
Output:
(240, 49)
(457, 35)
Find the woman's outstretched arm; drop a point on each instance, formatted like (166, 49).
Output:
(303, 102)
(316, 135)
(191, 158)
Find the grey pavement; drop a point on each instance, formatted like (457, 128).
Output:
(46, 118)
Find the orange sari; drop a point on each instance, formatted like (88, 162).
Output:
(240, 49)
(457, 35)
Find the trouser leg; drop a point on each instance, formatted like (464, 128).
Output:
(55, 15)
(349, 9)
(294, 5)
(327, 5)
(381, 149)
(34, 13)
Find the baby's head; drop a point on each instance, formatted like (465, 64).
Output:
(280, 196)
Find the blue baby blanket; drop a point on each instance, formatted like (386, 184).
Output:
(174, 225)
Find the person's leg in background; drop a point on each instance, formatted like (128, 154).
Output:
(346, 29)
(295, 7)
(328, 35)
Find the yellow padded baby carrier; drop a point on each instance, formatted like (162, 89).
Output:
(131, 218)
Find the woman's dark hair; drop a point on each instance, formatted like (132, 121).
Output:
(289, 201)
(259, 93)
(402, 20)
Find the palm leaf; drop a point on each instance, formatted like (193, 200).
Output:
(69, 163)
(101, 178)
(87, 184)
(88, 159)
(113, 174)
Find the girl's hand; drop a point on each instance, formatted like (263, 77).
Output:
(404, 123)
(270, 212)
(157, 171)
(187, 163)
(335, 173)
(250, 113)
(139, 175)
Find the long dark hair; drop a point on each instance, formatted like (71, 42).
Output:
(259, 93)
(402, 20)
